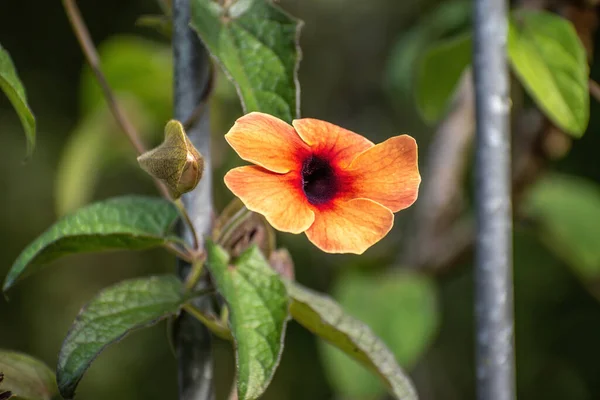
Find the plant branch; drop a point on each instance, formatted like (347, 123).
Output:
(214, 325)
(181, 254)
(89, 50)
(189, 223)
(595, 90)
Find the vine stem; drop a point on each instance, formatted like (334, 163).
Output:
(215, 326)
(89, 50)
(186, 217)
(594, 89)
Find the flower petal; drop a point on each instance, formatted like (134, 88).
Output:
(276, 196)
(267, 141)
(340, 146)
(350, 227)
(387, 173)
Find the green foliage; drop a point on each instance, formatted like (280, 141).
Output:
(110, 316)
(258, 305)
(551, 62)
(401, 309)
(568, 209)
(133, 67)
(325, 318)
(447, 18)
(132, 222)
(26, 377)
(438, 74)
(256, 44)
(140, 73)
(12, 86)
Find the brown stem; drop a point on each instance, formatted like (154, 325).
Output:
(595, 89)
(85, 41)
(182, 254)
(186, 217)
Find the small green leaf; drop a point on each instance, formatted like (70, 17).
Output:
(11, 85)
(256, 44)
(111, 315)
(568, 209)
(26, 377)
(324, 317)
(550, 60)
(258, 305)
(439, 72)
(132, 222)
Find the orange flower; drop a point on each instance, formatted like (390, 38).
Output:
(318, 178)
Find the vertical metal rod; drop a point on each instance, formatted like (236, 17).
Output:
(493, 254)
(192, 76)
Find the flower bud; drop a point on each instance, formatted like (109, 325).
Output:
(176, 162)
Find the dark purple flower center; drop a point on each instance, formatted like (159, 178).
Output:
(318, 180)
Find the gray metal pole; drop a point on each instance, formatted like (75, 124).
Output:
(192, 77)
(493, 254)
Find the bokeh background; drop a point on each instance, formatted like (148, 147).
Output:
(360, 60)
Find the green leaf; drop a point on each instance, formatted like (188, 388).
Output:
(550, 61)
(134, 67)
(439, 72)
(325, 318)
(256, 44)
(445, 19)
(400, 308)
(11, 85)
(568, 210)
(26, 377)
(132, 222)
(258, 305)
(111, 315)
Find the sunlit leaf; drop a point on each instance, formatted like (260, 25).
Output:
(256, 44)
(439, 72)
(111, 315)
(12, 86)
(550, 61)
(132, 222)
(324, 317)
(258, 306)
(568, 209)
(26, 377)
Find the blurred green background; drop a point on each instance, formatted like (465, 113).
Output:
(358, 65)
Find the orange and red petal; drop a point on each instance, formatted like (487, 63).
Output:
(276, 196)
(387, 173)
(350, 226)
(338, 145)
(267, 141)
